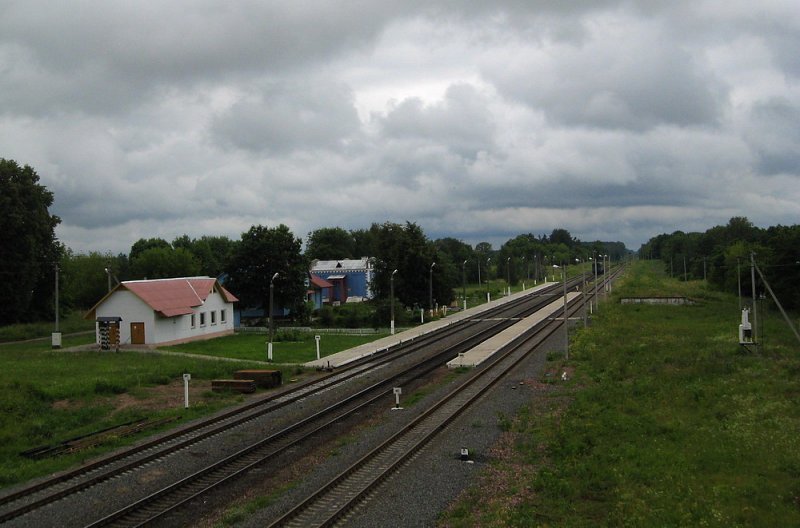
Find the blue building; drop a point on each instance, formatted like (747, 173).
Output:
(349, 278)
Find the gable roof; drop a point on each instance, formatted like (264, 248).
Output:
(171, 297)
(320, 282)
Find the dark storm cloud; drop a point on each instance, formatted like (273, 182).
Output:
(288, 116)
(614, 119)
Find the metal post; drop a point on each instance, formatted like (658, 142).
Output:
(753, 287)
(739, 280)
(596, 300)
(508, 274)
(391, 295)
(271, 295)
(464, 282)
(487, 278)
(566, 321)
(430, 289)
(186, 378)
(583, 289)
(57, 298)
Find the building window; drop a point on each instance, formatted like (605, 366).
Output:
(202, 318)
(223, 317)
(213, 317)
(193, 322)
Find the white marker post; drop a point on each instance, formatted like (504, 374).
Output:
(397, 392)
(317, 338)
(186, 378)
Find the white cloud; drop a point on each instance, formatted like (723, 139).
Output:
(617, 121)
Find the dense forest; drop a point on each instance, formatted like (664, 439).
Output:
(721, 255)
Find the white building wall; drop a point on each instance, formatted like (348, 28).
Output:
(168, 329)
(131, 309)
(159, 329)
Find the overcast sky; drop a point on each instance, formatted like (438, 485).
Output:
(479, 120)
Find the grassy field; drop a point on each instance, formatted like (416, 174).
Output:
(69, 323)
(666, 421)
(50, 396)
(298, 348)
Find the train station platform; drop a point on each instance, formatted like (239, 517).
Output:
(482, 352)
(352, 354)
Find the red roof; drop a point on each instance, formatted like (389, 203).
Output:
(172, 297)
(320, 282)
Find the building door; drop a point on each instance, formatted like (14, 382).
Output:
(137, 333)
(113, 334)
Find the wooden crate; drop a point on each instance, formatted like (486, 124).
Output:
(245, 386)
(265, 379)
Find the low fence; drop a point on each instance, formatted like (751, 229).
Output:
(656, 300)
(306, 329)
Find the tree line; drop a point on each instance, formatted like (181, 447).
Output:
(721, 255)
(31, 253)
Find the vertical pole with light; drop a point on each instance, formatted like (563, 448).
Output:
(391, 295)
(56, 338)
(508, 274)
(566, 321)
(464, 282)
(271, 297)
(430, 288)
(488, 299)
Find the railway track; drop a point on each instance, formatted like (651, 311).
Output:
(46, 492)
(335, 499)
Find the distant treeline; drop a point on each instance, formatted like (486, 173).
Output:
(722, 256)
(31, 253)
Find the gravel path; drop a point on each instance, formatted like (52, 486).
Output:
(436, 476)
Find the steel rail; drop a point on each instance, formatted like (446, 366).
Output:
(340, 495)
(169, 498)
(190, 435)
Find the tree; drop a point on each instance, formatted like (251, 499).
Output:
(330, 243)
(84, 279)
(407, 249)
(458, 251)
(261, 253)
(143, 244)
(561, 236)
(29, 247)
(164, 263)
(212, 252)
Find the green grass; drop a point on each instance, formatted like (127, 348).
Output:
(254, 346)
(49, 396)
(69, 323)
(666, 422)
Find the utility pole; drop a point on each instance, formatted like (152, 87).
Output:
(739, 280)
(753, 287)
(56, 338)
(566, 321)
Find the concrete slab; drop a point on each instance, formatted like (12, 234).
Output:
(346, 356)
(485, 350)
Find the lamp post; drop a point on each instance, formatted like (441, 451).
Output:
(391, 295)
(487, 278)
(430, 288)
(566, 320)
(583, 294)
(108, 273)
(527, 269)
(464, 282)
(271, 295)
(508, 274)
